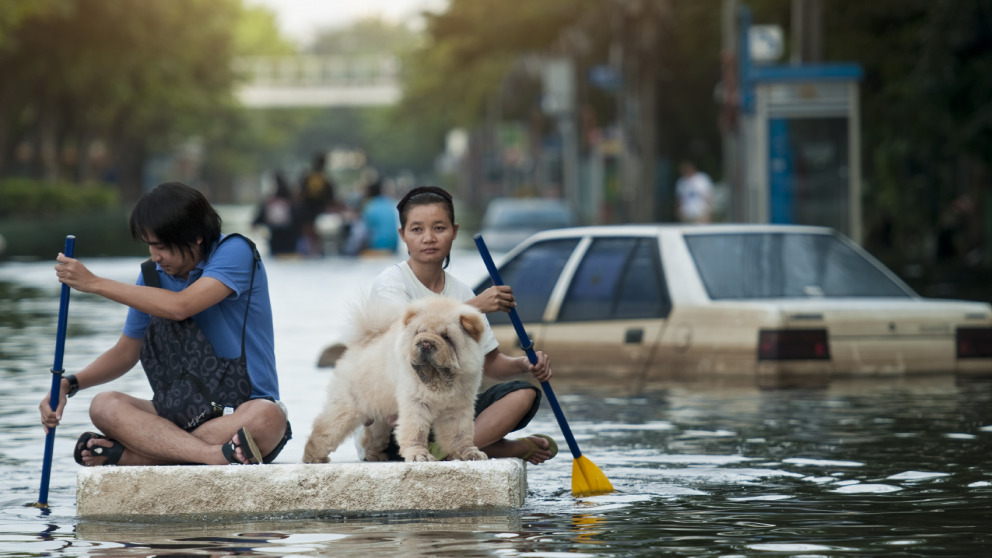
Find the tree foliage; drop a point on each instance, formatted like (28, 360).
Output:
(367, 36)
(927, 122)
(256, 33)
(471, 47)
(130, 76)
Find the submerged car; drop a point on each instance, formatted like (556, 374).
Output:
(780, 305)
(509, 221)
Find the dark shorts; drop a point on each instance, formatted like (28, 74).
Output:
(483, 402)
(499, 391)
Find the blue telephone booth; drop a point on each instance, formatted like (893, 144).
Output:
(799, 142)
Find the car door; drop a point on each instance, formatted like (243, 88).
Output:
(613, 311)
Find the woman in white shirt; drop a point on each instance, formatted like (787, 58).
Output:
(427, 226)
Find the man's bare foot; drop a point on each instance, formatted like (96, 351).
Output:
(242, 449)
(95, 450)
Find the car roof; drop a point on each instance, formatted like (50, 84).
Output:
(646, 229)
(525, 202)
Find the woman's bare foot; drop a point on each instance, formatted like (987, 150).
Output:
(534, 449)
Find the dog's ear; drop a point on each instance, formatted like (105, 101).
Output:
(409, 315)
(473, 324)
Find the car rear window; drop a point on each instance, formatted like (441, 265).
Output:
(532, 274)
(786, 265)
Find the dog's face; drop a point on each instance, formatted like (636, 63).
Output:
(445, 336)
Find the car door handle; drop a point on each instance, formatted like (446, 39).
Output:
(634, 336)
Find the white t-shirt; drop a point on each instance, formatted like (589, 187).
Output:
(398, 283)
(695, 194)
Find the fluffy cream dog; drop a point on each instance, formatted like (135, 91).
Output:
(422, 365)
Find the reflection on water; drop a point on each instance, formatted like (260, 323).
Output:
(872, 468)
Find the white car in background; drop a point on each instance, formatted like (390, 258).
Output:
(779, 305)
(509, 221)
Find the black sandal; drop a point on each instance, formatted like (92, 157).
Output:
(248, 447)
(112, 454)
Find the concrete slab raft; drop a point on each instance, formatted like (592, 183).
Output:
(287, 488)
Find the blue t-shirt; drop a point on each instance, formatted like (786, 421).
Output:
(230, 263)
(382, 223)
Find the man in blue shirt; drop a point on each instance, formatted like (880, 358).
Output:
(203, 333)
(381, 220)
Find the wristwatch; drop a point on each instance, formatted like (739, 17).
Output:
(73, 384)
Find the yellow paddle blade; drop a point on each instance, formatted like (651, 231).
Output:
(587, 479)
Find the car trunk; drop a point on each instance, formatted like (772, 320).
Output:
(889, 337)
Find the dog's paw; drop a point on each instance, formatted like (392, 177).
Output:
(421, 456)
(376, 456)
(316, 459)
(471, 455)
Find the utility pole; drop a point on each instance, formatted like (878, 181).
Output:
(807, 32)
(730, 109)
(559, 101)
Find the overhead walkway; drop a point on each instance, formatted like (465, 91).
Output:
(318, 81)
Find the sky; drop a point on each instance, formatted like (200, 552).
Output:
(301, 19)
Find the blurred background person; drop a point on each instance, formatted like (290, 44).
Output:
(694, 191)
(316, 197)
(381, 220)
(278, 215)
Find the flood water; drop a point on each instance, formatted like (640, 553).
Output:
(886, 467)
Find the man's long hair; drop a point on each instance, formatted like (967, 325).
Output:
(178, 216)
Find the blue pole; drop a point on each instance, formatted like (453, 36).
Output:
(528, 347)
(70, 245)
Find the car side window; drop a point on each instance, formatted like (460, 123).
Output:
(619, 278)
(533, 274)
(643, 292)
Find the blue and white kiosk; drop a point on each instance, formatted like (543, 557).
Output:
(800, 141)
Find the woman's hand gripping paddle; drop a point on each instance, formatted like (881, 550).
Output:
(587, 479)
(70, 245)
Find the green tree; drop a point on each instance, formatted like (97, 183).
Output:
(132, 76)
(256, 33)
(367, 36)
(471, 47)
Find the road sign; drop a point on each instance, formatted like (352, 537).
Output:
(767, 42)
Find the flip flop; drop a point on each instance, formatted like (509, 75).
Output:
(112, 454)
(248, 447)
(552, 446)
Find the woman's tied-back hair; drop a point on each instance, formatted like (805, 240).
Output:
(426, 195)
(178, 216)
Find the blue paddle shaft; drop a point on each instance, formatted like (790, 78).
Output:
(528, 347)
(56, 390)
(70, 248)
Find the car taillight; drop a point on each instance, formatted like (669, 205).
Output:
(974, 342)
(793, 344)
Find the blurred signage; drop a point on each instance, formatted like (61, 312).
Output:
(604, 77)
(559, 88)
(767, 42)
